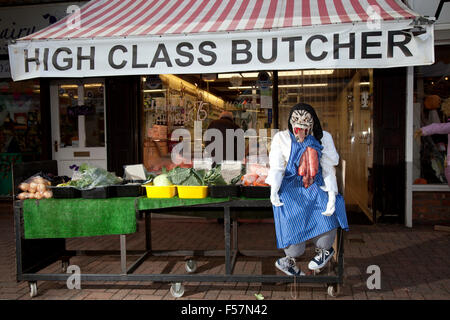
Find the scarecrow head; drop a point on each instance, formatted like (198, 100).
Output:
(303, 121)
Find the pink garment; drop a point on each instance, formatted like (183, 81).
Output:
(440, 128)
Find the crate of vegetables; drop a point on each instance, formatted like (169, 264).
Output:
(65, 192)
(98, 192)
(160, 187)
(254, 182)
(192, 192)
(131, 189)
(255, 192)
(224, 191)
(189, 181)
(222, 181)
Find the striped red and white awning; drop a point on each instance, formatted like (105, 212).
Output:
(132, 37)
(141, 18)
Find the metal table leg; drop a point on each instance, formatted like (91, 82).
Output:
(235, 249)
(235, 234)
(226, 216)
(123, 253)
(148, 245)
(148, 235)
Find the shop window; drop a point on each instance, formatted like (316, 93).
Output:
(68, 119)
(171, 102)
(95, 117)
(20, 116)
(20, 132)
(343, 100)
(85, 100)
(431, 106)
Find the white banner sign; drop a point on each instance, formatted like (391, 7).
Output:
(322, 47)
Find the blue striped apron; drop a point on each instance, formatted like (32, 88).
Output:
(300, 217)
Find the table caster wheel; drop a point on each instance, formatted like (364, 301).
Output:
(177, 290)
(191, 266)
(333, 290)
(33, 289)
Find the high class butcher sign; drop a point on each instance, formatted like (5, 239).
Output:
(337, 46)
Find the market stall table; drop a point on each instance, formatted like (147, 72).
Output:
(105, 221)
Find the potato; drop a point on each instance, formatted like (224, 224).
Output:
(41, 188)
(48, 194)
(33, 187)
(38, 195)
(38, 180)
(24, 186)
(22, 196)
(31, 195)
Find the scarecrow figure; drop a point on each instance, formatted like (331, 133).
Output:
(304, 193)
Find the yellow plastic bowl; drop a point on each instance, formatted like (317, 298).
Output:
(192, 192)
(160, 192)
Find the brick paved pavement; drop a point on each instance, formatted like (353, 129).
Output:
(414, 263)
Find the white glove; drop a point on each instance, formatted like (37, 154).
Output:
(275, 184)
(275, 199)
(331, 204)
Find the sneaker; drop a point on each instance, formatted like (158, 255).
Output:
(288, 266)
(321, 259)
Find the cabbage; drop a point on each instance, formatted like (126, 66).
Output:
(162, 180)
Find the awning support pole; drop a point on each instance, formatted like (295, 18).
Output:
(409, 145)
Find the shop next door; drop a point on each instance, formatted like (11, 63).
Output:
(78, 123)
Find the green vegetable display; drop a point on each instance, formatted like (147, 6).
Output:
(191, 177)
(186, 176)
(91, 177)
(214, 177)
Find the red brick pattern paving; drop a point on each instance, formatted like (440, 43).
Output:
(414, 264)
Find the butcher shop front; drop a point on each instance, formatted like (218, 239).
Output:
(124, 79)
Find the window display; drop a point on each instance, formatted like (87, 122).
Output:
(20, 116)
(343, 99)
(20, 132)
(431, 109)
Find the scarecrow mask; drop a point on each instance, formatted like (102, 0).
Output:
(302, 124)
(303, 121)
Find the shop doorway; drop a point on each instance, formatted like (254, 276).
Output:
(78, 123)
